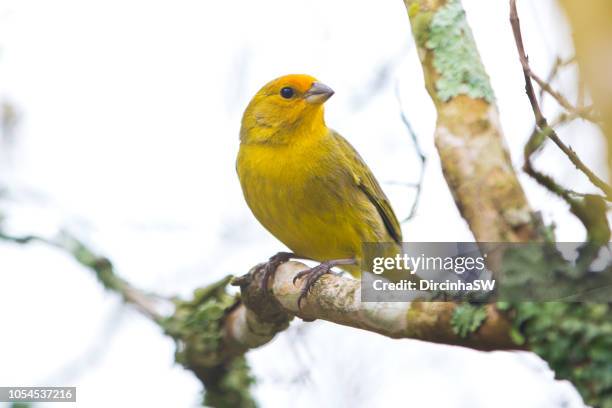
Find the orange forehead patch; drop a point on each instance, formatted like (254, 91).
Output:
(299, 82)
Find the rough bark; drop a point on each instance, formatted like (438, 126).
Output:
(468, 136)
(338, 299)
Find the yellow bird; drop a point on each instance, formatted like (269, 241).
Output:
(306, 184)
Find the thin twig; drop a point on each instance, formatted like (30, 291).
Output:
(147, 304)
(584, 112)
(541, 121)
(421, 155)
(559, 63)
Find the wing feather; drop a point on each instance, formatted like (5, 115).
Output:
(366, 181)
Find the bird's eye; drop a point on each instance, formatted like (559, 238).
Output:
(287, 92)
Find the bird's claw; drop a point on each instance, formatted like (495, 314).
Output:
(270, 267)
(312, 276)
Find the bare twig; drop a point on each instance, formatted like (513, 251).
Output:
(584, 112)
(193, 325)
(145, 303)
(590, 209)
(541, 121)
(559, 63)
(551, 76)
(421, 155)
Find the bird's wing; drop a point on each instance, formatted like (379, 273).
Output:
(367, 183)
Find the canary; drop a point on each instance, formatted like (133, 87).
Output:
(306, 184)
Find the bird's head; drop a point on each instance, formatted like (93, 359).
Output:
(285, 108)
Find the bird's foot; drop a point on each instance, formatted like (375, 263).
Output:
(270, 267)
(313, 274)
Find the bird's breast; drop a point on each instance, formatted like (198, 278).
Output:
(305, 198)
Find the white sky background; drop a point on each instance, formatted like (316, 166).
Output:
(130, 112)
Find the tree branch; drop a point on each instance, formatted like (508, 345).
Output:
(468, 136)
(258, 317)
(195, 350)
(338, 299)
(145, 303)
(541, 121)
(591, 27)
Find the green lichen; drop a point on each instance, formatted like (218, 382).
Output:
(197, 328)
(228, 385)
(467, 318)
(456, 57)
(197, 324)
(573, 336)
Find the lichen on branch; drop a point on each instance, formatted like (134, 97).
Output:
(455, 56)
(338, 299)
(468, 136)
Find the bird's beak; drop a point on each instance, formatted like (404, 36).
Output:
(318, 93)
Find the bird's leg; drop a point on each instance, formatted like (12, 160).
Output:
(274, 262)
(313, 274)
